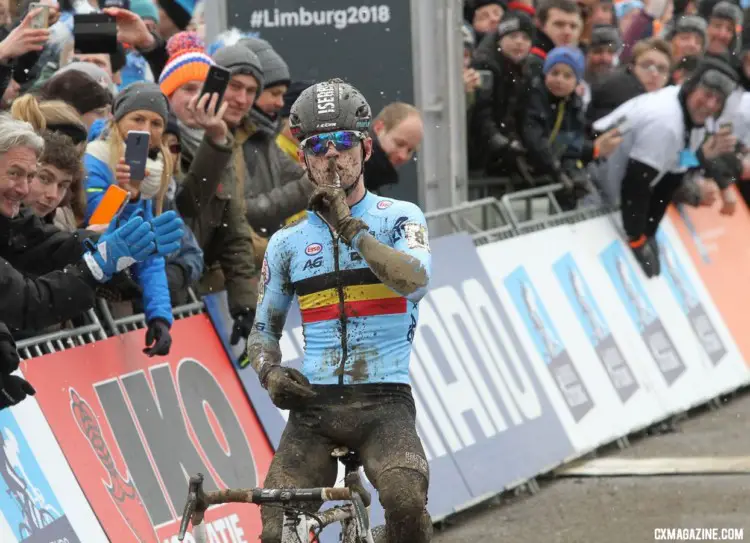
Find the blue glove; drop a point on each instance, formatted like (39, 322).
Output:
(120, 248)
(168, 229)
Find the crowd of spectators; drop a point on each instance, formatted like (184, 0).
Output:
(221, 177)
(633, 104)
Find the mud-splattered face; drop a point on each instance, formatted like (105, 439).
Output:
(348, 164)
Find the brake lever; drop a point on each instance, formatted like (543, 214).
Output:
(195, 487)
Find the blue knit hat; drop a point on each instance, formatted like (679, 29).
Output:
(180, 11)
(571, 56)
(145, 9)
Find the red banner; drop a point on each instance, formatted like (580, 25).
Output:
(132, 428)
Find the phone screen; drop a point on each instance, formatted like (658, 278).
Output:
(136, 154)
(42, 19)
(216, 82)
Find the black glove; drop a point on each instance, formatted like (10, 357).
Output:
(158, 338)
(9, 359)
(243, 325)
(176, 277)
(287, 387)
(647, 255)
(13, 390)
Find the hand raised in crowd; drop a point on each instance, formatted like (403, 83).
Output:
(608, 142)
(203, 109)
(709, 191)
(122, 177)
(471, 79)
(131, 29)
(729, 202)
(719, 143)
(24, 39)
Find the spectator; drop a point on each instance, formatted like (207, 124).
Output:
(648, 72)
(205, 197)
(141, 106)
(471, 77)
(174, 16)
(53, 115)
(559, 24)
(601, 53)
(553, 129)
(684, 68)
(397, 132)
(276, 187)
(496, 122)
(723, 23)
(56, 193)
(483, 15)
(112, 63)
(603, 13)
(136, 66)
(19, 52)
(91, 70)
(172, 141)
(688, 37)
(626, 12)
(286, 141)
(664, 141)
(89, 98)
(744, 64)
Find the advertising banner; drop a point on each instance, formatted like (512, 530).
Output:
(476, 393)
(40, 499)
(719, 250)
(133, 428)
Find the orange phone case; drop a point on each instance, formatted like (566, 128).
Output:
(112, 203)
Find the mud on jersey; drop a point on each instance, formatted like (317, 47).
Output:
(356, 329)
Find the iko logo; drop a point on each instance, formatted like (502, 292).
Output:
(313, 249)
(313, 263)
(384, 204)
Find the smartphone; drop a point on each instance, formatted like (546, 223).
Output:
(111, 205)
(94, 33)
(621, 124)
(485, 79)
(40, 20)
(136, 153)
(727, 126)
(216, 82)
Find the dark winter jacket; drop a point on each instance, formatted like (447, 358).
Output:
(43, 280)
(540, 46)
(379, 171)
(497, 111)
(550, 150)
(611, 93)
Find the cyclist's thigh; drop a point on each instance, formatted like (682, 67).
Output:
(302, 460)
(393, 442)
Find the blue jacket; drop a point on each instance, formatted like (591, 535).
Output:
(149, 274)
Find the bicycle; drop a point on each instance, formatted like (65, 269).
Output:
(298, 526)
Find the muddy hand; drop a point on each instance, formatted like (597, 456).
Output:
(330, 203)
(288, 388)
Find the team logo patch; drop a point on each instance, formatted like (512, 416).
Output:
(265, 277)
(313, 249)
(384, 204)
(416, 236)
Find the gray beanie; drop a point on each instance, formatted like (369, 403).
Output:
(275, 70)
(690, 23)
(141, 96)
(240, 60)
(728, 10)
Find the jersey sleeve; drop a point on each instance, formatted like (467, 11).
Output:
(275, 294)
(409, 235)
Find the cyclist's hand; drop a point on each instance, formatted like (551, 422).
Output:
(330, 203)
(13, 390)
(288, 388)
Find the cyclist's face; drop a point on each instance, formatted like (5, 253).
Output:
(348, 164)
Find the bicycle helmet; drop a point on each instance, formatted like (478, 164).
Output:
(329, 106)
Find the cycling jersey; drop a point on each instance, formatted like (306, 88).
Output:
(356, 329)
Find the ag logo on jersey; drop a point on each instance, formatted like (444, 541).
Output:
(313, 249)
(384, 204)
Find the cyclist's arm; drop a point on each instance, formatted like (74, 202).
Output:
(405, 267)
(274, 299)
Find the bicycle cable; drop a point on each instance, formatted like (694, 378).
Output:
(316, 536)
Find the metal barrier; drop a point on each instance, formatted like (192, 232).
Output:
(462, 218)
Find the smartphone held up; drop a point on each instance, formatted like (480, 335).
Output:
(41, 19)
(216, 82)
(136, 153)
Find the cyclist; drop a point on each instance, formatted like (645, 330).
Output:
(358, 265)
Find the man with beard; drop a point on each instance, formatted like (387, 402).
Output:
(601, 53)
(276, 187)
(359, 305)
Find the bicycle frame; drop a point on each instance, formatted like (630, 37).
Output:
(297, 525)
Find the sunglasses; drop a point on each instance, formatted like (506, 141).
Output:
(343, 140)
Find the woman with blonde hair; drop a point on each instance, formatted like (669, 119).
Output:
(59, 118)
(139, 107)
